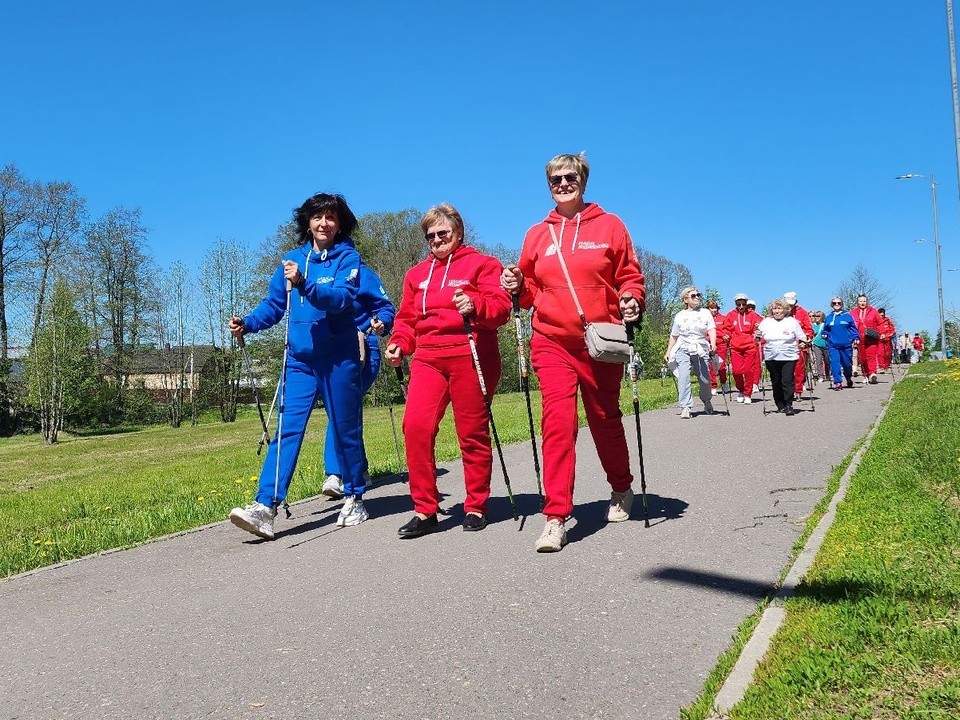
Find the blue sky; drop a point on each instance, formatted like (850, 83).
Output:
(756, 142)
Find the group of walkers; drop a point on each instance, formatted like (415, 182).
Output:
(577, 268)
(577, 271)
(793, 344)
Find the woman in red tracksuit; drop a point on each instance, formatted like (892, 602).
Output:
(453, 283)
(740, 326)
(867, 319)
(718, 368)
(606, 276)
(803, 317)
(888, 331)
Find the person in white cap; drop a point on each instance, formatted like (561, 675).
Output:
(741, 324)
(802, 317)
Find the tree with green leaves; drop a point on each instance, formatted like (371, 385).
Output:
(59, 368)
(862, 281)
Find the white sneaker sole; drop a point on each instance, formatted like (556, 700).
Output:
(244, 523)
(352, 520)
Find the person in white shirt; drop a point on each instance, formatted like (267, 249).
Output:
(693, 339)
(781, 336)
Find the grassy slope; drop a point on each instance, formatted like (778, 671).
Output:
(874, 631)
(84, 495)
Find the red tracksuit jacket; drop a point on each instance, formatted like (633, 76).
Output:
(741, 327)
(865, 318)
(428, 321)
(602, 264)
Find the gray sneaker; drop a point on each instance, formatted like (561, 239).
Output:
(353, 512)
(332, 487)
(553, 537)
(255, 518)
(620, 504)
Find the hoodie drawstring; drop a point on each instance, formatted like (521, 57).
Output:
(443, 280)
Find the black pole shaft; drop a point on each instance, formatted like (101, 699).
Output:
(636, 417)
(525, 384)
(493, 426)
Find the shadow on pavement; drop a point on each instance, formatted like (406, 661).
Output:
(699, 578)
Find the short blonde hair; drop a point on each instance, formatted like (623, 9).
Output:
(439, 213)
(577, 162)
(782, 304)
(685, 293)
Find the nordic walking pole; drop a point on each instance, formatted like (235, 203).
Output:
(525, 384)
(265, 437)
(486, 400)
(396, 443)
(636, 416)
(282, 392)
(808, 371)
(726, 402)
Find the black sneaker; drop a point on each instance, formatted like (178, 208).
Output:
(789, 411)
(474, 523)
(417, 527)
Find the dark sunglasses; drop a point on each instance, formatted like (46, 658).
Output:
(693, 295)
(569, 178)
(836, 303)
(439, 235)
(740, 302)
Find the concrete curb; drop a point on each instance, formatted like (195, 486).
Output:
(741, 676)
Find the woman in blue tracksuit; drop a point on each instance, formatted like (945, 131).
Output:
(841, 333)
(373, 314)
(317, 284)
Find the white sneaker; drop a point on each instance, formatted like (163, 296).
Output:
(708, 407)
(332, 487)
(620, 504)
(553, 537)
(747, 401)
(255, 518)
(685, 413)
(756, 388)
(739, 397)
(713, 391)
(873, 379)
(353, 512)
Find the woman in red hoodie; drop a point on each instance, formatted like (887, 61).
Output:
(868, 323)
(740, 326)
(888, 331)
(596, 249)
(454, 282)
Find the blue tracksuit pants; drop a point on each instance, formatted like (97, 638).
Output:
(335, 378)
(841, 363)
(331, 462)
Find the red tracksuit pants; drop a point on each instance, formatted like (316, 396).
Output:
(800, 371)
(868, 358)
(561, 372)
(436, 382)
(885, 354)
(719, 359)
(746, 368)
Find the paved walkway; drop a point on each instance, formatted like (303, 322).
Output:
(626, 622)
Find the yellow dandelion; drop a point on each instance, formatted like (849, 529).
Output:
(43, 553)
(239, 481)
(253, 478)
(48, 542)
(199, 498)
(37, 542)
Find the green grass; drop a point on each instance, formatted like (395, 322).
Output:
(88, 494)
(874, 630)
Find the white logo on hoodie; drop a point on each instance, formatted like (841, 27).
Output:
(458, 283)
(551, 250)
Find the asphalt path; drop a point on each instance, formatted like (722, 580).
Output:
(625, 622)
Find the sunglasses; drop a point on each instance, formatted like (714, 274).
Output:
(836, 303)
(439, 235)
(693, 295)
(569, 178)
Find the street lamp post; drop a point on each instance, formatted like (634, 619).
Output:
(936, 246)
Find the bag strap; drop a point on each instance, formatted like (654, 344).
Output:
(566, 274)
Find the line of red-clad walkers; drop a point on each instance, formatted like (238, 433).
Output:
(736, 330)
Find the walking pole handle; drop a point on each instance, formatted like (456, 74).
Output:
(515, 298)
(399, 371)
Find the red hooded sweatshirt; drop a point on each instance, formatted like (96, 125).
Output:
(803, 317)
(741, 327)
(602, 264)
(865, 318)
(428, 320)
(887, 328)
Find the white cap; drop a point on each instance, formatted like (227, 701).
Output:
(739, 296)
(790, 298)
(752, 302)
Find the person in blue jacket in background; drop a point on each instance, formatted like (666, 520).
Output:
(841, 333)
(373, 313)
(316, 287)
